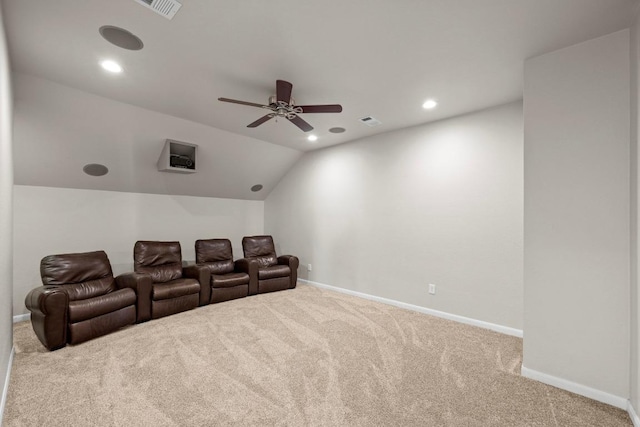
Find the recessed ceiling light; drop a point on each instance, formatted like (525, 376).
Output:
(337, 130)
(312, 138)
(256, 188)
(111, 66)
(429, 104)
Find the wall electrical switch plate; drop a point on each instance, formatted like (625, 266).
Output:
(432, 289)
(309, 267)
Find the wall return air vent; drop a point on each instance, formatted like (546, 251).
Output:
(166, 8)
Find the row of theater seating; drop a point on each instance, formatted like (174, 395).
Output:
(81, 299)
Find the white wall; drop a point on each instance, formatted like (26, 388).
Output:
(387, 215)
(635, 187)
(577, 214)
(51, 220)
(6, 187)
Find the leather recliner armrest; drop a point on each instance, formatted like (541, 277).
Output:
(49, 306)
(141, 283)
(203, 276)
(249, 266)
(293, 262)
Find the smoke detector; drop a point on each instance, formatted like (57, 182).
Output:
(370, 121)
(166, 8)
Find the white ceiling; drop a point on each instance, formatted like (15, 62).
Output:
(375, 57)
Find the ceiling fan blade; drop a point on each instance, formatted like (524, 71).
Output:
(235, 101)
(306, 127)
(260, 121)
(283, 91)
(333, 108)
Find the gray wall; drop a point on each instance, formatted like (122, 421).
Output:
(577, 214)
(387, 215)
(6, 200)
(635, 261)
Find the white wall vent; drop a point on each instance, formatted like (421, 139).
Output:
(370, 121)
(166, 8)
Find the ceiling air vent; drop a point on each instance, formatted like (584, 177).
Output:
(370, 121)
(166, 8)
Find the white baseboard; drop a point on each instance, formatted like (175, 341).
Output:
(583, 390)
(21, 317)
(633, 415)
(5, 389)
(461, 319)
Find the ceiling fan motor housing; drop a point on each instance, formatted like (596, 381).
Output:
(282, 109)
(282, 105)
(273, 100)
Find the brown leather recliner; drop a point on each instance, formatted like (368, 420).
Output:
(173, 288)
(80, 299)
(268, 272)
(228, 279)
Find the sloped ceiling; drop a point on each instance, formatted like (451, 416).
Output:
(375, 57)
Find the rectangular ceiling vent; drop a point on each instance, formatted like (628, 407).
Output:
(370, 121)
(166, 8)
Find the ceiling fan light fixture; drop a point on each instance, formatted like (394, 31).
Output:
(283, 105)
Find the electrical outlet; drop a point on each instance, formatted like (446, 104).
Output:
(309, 268)
(432, 289)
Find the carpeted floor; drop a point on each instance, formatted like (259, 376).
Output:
(302, 357)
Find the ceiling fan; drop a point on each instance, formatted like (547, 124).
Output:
(282, 105)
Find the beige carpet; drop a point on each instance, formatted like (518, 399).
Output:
(302, 357)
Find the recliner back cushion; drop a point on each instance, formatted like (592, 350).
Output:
(216, 254)
(161, 260)
(260, 248)
(84, 275)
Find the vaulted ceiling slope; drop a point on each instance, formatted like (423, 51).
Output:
(377, 58)
(58, 130)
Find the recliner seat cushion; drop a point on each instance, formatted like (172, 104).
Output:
(229, 280)
(220, 267)
(273, 272)
(80, 310)
(163, 273)
(90, 289)
(174, 289)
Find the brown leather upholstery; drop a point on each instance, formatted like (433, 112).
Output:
(80, 300)
(226, 281)
(173, 289)
(268, 272)
(261, 249)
